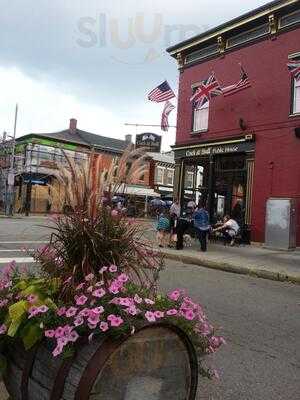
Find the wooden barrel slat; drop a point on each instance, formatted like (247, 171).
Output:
(157, 363)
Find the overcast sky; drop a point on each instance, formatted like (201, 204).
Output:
(95, 60)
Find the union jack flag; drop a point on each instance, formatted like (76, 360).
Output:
(294, 68)
(242, 84)
(162, 92)
(206, 91)
(165, 116)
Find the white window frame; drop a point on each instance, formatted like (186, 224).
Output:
(162, 169)
(189, 174)
(296, 97)
(200, 118)
(170, 170)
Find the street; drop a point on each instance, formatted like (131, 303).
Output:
(258, 318)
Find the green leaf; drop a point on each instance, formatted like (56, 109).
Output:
(18, 309)
(21, 285)
(14, 326)
(49, 303)
(32, 336)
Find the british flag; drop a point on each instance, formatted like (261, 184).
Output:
(242, 84)
(294, 68)
(205, 91)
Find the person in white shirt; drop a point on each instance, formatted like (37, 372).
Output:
(230, 229)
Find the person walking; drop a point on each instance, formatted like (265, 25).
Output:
(201, 225)
(163, 230)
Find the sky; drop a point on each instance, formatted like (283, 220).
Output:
(96, 60)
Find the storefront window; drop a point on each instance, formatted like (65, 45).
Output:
(170, 177)
(160, 175)
(200, 123)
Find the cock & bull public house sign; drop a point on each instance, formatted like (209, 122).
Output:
(242, 145)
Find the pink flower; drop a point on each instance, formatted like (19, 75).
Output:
(159, 314)
(99, 293)
(67, 330)
(113, 268)
(43, 309)
(98, 310)
(78, 321)
(137, 299)
(3, 329)
(174, 295)
(205, 329)
(84, 313)
(81, 300)
(58, 349)
(79, 287)
(89, 277)
(61, 311)
(114, 288)
(3, 303)
(117, 321)
(99, 284)
(59, 332)
(71, 312)
(33, 311)
(189, 315)
(93, 318)
(50, 333)
(62, 341)
(125, 301)
(73, 336)
(32, 298)
(172, 312)
(150, 316)
(123, 278)
(132, 310)
(102, 270)
(104, 326)
(115, 300)
(148, 301)
(90, 289)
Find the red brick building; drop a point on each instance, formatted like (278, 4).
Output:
(247, 145)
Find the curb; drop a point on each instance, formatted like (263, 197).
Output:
(222, 266)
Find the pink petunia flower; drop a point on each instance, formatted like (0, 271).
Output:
(81, 300)
(32, 298)
(50, 333)
(189, 315)
(43, 309)
(84, 313)
(174, 295)
(89, 277)
(93, 318)
(132, 310)
(3, 329)
(98, 310)
(117, 321)
(71, 312)
(103, 269)
(123, 278)
(113, 268)
(81, 286)
(114, 288)
(3, 303)
(137, 299)
(125, 301)
(78, 321)
(150, 316)
(73, 336)
(104, 326)
(172, 312)
(62, 341)
(57, 351)
(59, 332)
(33, 311)
(99, 293)
(159, 314)
(61, 311)
(149, 301)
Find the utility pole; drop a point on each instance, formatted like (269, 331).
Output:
(11, 172)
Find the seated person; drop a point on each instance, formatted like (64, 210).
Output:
(230, 229)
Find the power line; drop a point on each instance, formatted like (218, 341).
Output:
(152, 125)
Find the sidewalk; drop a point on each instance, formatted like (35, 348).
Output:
(248, 260)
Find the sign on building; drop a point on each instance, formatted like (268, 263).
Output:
(151, 141)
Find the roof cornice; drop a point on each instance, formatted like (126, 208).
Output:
(244, 19)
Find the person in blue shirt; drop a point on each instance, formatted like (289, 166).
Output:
(163, 230)
(201, 225)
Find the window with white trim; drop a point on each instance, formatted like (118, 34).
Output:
(170, 177)
(159, 175)
(200, 118)
(296, 100)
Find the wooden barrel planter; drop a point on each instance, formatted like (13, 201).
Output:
(158, 362)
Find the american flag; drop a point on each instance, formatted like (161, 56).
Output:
(163, 92)
(294, 68)
(242, 84)
(165, 116)
(205, 91)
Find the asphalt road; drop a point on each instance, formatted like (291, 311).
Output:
(260, 320)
